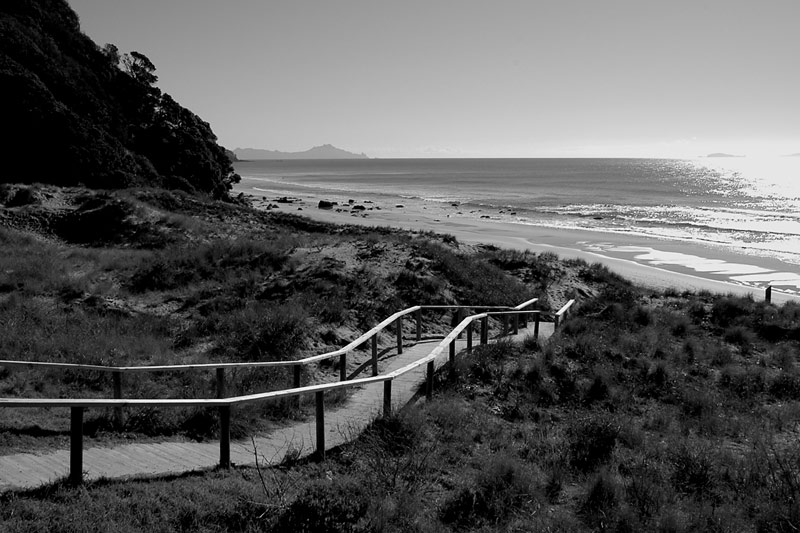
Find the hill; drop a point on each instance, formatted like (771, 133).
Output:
(326, 151)
(74, 113)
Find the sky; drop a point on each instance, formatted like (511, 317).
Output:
(475, 78)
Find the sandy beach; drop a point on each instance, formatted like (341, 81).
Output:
(658, 263)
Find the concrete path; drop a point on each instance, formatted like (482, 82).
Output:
(342, 424)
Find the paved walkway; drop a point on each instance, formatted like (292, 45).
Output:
(342, 424)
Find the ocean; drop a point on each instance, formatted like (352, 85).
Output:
(747, 205)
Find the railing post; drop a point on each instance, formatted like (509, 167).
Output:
(118, 415)
(343, 367)
(516, 323)
(296, 383)
(536, 325)
(419, 324)
(387, 397)
(524, 322)
(220, 383)
(768, 295)
(375, 354)
(457, 319)
(320, 400)
(225, 436)
(505, 325)
(452, 353)
(76, 445)
(429, 381)
(485, 330)
(399, 335)
(469, 337)
(556, 321)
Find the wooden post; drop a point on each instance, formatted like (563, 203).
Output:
(387, 397)
(429, 381)
(469, 337)
(119, 419)
(296, 383)
(220, 383)
(76, 445)
(524, 323)
(768, 295)
(225, 436)
(399, 335)
(375, 354)
(556, 321)
(536, 326)
(516, 323)
(452, 353)
(343, 367)
(485, 330)
(419, 324)
(320, 397)
(505, 325)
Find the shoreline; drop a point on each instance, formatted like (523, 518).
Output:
(649, 261)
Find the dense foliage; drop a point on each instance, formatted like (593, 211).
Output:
(75, 113)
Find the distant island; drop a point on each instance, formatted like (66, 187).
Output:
(722, 154)
(326, 151)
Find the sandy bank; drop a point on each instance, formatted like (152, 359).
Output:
(652, 262)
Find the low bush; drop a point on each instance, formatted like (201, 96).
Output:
(592, 441)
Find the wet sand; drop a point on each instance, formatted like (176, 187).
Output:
(658, 263)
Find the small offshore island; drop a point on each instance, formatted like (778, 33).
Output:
(652, 408)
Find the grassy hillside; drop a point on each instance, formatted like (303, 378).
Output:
(647, 411)
(145, 277)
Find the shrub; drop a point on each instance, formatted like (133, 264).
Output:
(263, 333)
(326, 506)
(693, 471)
(503, 486)
(726, 311)
(785, 386)
(592, 442)
(601, 500)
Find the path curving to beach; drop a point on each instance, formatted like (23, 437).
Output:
(342, 424)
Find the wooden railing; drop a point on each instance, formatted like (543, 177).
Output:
(78, 406)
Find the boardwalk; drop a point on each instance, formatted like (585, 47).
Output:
(28, 470)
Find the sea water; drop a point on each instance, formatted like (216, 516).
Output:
(745, 204)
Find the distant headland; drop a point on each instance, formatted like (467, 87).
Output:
(326, 151)
(722, 154)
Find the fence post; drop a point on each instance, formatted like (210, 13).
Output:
(516, 323)
(768, 295)
(375, 354)
(556, 321)
(296, 382)
(457, 318)
(76, 445)
(429, 381)
(485, 330)
(469, 337)
(452, 353)
(320, 398)
(524, 323)
(536, 325)
(343, 367)
(387, 397)
(399, 335)
(118, 415)
(505, 325)
(419, 324)
(225, 436)
(220, 383)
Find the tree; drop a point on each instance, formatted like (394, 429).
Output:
(140, 68)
